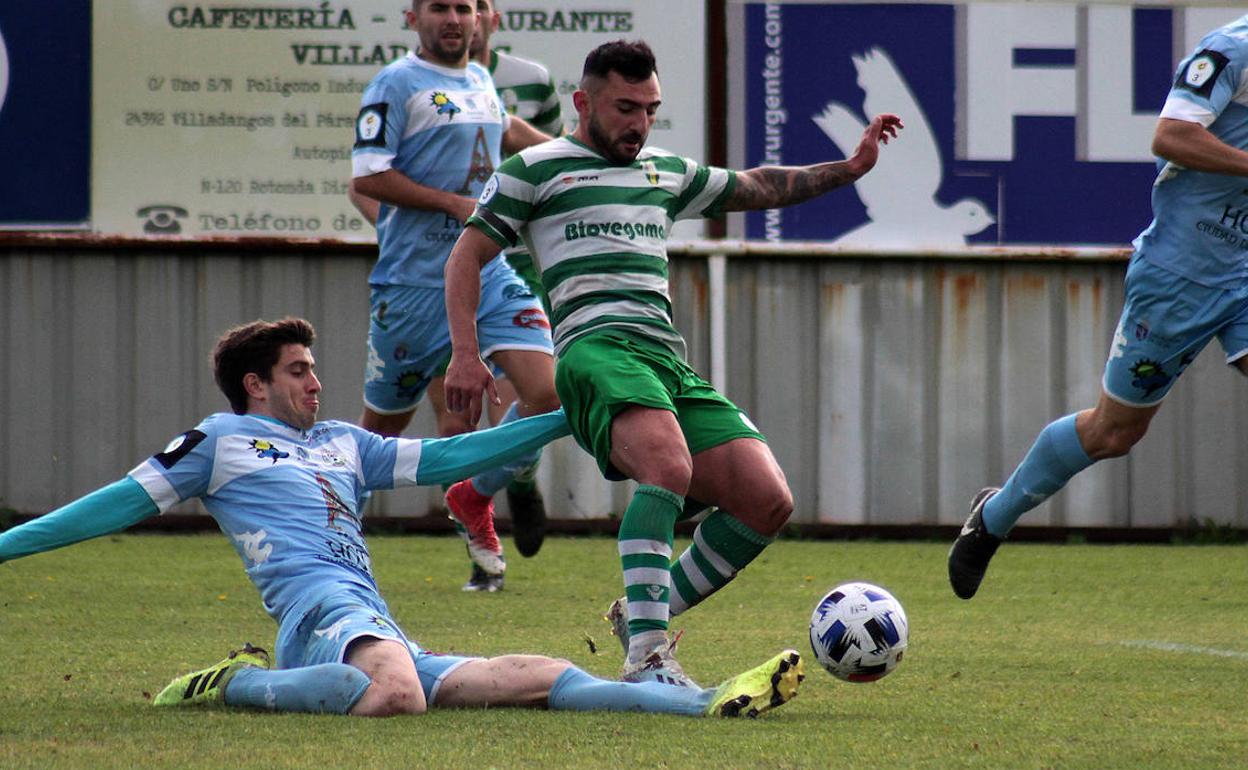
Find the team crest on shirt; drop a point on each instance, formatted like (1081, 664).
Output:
(651, 170)
(444, 104)
(268, 451)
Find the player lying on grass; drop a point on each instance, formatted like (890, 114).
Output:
(285, 489)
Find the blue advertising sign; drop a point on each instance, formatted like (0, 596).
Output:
(1024, 124)
(45, 112)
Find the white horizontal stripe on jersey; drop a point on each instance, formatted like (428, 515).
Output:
(407, 462)
(369, 163)
(1179, 108)
(471, 107)
(580, 285)
(156, 485)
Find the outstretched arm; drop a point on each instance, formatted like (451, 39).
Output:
(769, 187)
(447, 460)
(110, 509)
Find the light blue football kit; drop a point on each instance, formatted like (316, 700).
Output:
(1187, 281)
(288, 500)
(441, 127)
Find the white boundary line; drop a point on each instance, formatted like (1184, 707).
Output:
(1185, 648)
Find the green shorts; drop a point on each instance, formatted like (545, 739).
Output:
(602, 373)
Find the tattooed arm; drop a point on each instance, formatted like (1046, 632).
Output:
(769, 187)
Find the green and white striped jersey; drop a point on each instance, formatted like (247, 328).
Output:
(598, 231)
(527, 91)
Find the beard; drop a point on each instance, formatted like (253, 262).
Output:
(609, 147)
(444, 53)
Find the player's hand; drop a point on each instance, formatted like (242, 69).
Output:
(463, 209)
(467, 377)
(880, 130)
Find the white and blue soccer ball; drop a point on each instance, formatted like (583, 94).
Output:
(859, 632)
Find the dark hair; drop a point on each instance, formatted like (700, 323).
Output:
(633, 60)
(254, 348)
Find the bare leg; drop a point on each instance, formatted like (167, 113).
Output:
(386, 424)
(508, 680)
(395, 688)
(744, 480)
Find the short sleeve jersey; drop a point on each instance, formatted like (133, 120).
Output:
(1200, 224)
(598, 231)
(438, 126)
(288, 500)
(527, 91)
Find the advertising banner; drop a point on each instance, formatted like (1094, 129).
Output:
(45, 117)
(1025, 123)
(237, 119)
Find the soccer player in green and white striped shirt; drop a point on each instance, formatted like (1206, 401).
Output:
(595, 209)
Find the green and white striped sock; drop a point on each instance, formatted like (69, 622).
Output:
(645, 546)
(721, 548)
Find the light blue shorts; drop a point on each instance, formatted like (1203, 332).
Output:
(320, 630)
(433, 668)
(409, 342)
(1166, 321)
(323, 634)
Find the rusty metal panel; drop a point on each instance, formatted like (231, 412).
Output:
(840, 464)
(967, 446)
(890, 388)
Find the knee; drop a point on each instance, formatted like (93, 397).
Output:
(452, 423)
(545, 400)
(387, 699)
(667, 467)
(774, 511)
(385, 424)
(1116, 441)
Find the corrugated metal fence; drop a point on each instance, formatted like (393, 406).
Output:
(891, 388)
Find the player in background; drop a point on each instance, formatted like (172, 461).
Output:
(595, 209)
(529, 93)
(1186, 283)
(285, 490)
(429, 134)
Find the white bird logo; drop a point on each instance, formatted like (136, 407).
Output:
(900, 192)
(251, 546)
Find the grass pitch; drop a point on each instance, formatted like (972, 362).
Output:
(1071, 656)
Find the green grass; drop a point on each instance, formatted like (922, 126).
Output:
(1038, 671)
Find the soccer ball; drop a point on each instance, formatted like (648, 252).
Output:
(859, 632)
